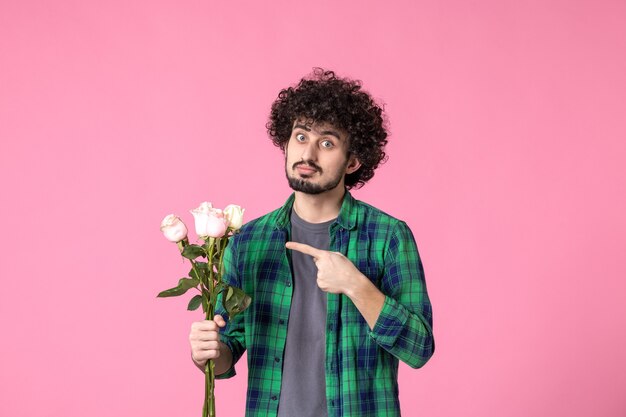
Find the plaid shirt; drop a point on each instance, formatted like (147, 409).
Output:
(361, 364)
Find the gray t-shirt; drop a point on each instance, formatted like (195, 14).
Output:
(303, 388)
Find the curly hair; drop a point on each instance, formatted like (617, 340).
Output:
(325, 98)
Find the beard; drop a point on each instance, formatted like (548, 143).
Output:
(303, 185)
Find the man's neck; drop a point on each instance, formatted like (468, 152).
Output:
(319, 208)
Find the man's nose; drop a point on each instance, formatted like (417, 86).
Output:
(309, 152)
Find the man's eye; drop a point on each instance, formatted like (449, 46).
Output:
(300, 137)
(327, 144)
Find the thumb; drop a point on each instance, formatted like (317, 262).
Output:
(219, 320)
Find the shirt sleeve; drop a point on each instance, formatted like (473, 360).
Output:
(232, 334)
(404, 326)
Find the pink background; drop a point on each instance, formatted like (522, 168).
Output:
(506, 159)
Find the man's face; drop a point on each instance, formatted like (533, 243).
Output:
(316, 158)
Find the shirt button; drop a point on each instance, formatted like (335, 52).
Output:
(281, 321)
(332, 402)
(274, 398)
(276, 359)
(289, 284)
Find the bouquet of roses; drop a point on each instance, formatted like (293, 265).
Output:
(214, 227)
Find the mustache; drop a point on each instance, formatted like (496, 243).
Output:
(309, 164)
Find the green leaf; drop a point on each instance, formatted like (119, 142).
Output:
(195, 302)
(205, 305)
(184, 284)
(193, 251)
(216, 291)
(203, 271)
(236, 301)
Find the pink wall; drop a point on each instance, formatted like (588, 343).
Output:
(506, 160)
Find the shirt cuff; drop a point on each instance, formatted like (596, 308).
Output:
(390, 323)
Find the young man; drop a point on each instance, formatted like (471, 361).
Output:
(337, 286)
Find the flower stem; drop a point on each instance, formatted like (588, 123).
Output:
(208, 410)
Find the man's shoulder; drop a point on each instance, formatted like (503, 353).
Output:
(373, 210)
(262, 227)
(269, 219)
(369, 214)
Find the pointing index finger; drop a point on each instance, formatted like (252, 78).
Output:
(306, 249)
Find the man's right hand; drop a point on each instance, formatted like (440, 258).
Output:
(204, 339)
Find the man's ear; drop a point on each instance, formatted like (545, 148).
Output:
(353, 165)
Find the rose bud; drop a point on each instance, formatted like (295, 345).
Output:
(210, 222)
(234, 214)
(173, 228)
(217, 224)
(201, 217)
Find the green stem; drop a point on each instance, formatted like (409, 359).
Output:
(209, 368)
(210, 266)
(219, 266)
(209, 386)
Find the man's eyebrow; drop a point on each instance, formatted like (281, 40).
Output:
(331, 133)
(305, 127)
(323, 133)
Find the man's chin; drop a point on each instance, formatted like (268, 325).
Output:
(308, 187)
(304, 186)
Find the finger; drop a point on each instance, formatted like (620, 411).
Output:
(210, 345)
(203, 326)
(206, 336)
(219, 320)
(306, 249)
(201, 356)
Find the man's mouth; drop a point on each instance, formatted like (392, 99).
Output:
(305, 169)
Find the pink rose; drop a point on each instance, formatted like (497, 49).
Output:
(173, 228)
(210, 222)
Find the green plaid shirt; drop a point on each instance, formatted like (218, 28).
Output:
(361, 364)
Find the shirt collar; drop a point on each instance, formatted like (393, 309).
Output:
(347, 217)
